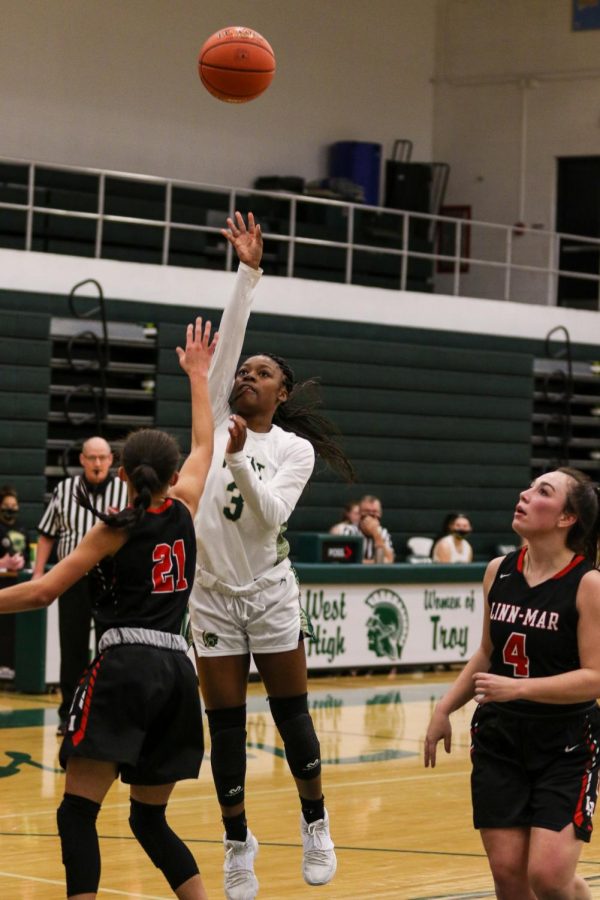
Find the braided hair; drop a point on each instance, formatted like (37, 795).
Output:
(583, 501)
(298, 414)
(149, 457)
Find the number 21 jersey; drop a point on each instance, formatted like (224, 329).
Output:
(147, 583)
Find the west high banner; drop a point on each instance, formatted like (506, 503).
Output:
(351, 625)
(377, 625)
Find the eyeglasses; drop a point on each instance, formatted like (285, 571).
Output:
(101, 457)
(9, 509)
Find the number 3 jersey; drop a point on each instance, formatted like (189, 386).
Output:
(146, 584)
(534, 629)
(249, 495)
(247, 501)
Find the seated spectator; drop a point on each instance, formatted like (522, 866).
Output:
(350, 516)
(377, 543)
(14, 556)
(452, 545)
(14, 547)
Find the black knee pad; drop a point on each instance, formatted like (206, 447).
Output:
(76, 820)
(165, 849)
(297, 731)
(228, 753)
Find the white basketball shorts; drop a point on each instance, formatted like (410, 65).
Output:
(265, 622)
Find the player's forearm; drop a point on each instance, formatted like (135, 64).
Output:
(232, 330)
(463, 688)
(569, 687)
(266, 506)
(25, 596)
(202, 418)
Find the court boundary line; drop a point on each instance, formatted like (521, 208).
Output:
(405, 851)
(61, 883)
(291, 788)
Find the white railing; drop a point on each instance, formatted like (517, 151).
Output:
(463, 257)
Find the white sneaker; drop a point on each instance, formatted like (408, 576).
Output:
(319, 862)
(240, 881)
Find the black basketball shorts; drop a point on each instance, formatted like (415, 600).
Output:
(138, 706)
(535, 771)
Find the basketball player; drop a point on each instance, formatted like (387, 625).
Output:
(535, 678)
(246, 598)
(136, 712)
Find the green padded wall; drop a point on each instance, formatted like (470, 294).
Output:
(431, 427)
(433, 420)
(24, 403)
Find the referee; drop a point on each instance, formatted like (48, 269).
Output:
(65, 522)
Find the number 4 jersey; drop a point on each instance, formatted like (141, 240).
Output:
(534, 629)
(146, 584)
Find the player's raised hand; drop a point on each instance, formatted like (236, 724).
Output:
(246, 240)
(199, 349)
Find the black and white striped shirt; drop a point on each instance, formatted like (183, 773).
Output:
(67, 521)
(368, 542)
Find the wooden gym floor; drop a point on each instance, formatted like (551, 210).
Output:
(401, 831)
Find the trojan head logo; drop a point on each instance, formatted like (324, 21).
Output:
(387, 626)
(209, 639)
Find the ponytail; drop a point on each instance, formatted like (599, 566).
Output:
(299, 414)
(145, 482)
(593, 543)
(150, 458)
(583, 500)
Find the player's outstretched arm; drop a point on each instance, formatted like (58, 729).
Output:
(99, 542)
(248, 245)
(195, 361)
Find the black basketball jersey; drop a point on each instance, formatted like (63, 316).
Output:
(148, 581)
(534, 629)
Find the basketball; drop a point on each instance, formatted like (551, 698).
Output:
(236, 64)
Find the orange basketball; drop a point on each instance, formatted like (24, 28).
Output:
(236, 64)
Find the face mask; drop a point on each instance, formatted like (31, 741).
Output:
(461, 533)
